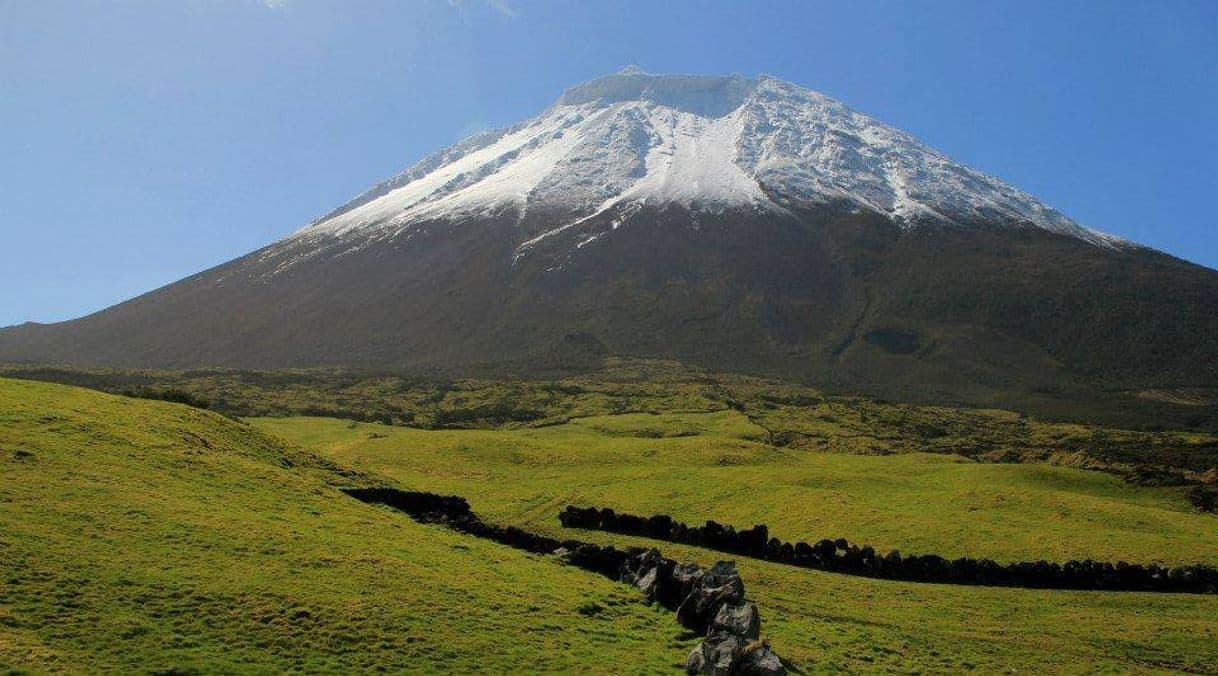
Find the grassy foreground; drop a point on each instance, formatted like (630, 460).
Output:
(696, 466)
(138, 536)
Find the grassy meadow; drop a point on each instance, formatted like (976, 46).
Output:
(140, 536)
(703, 465)
(790, 415)
(696, 466)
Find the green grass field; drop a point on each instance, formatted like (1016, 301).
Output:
(700, 466)
(697, 466)
(139, 535)
(792, 416)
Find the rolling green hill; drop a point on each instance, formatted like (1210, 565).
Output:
(715, 465)
(791, 416)
(141, 535)
(702, 466)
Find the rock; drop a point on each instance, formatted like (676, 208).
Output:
(647, 571)
(686, 575)
(741, 619)
(724, 654)
(647, 582)
(604, 560)
(721, 651)
(681, 580)
(732, 646)
(723, 577)
(695, 663)
(716, 656)
(649, 559)
(638, 564)
(720, 585)
(759, 661)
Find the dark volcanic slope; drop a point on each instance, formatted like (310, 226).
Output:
(740, 224)
(831, 297)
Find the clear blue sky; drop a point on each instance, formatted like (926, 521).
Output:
(144, 141)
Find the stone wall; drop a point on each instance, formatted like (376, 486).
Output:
(710, 601)
(844, 557)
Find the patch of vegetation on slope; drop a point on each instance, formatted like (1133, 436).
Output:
(401, 400)
(789, 416)
(127, 547)
(140, 535)
(917, 502)
(794, 420)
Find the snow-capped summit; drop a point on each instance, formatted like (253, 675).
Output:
(633, 139)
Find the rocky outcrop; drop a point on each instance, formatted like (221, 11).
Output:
(711, 603)
(841, 556)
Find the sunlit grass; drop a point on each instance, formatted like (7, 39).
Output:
(138, 535)
(698, 466)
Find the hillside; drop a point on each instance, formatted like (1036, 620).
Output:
(145, 535)
(1134, 445)
(738, 224)
(140, 536)
(698, 466)
(701, 466)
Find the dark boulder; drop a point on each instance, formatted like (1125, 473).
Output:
(648, 571)
(720, 585)
(759, 660)
(696, 662)
(687, 575)
(648, 582)
(741, 619)
(717, 655)
(726, 654)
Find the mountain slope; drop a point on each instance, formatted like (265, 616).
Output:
(736, 223)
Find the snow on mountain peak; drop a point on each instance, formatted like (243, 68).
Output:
(634, 138)
(698, 94)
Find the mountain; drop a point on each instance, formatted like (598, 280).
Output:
(741, 223)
